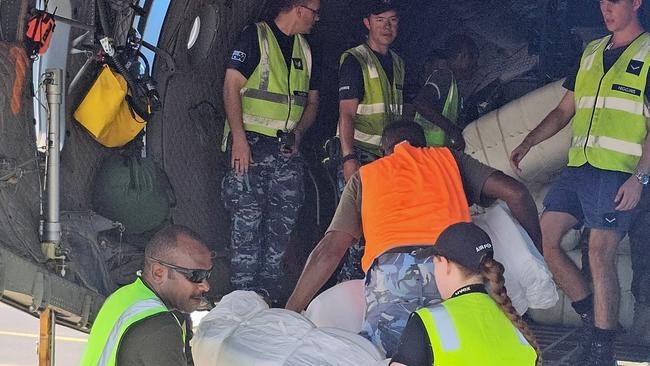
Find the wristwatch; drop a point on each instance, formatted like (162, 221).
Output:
(351, 156)
(643, 178)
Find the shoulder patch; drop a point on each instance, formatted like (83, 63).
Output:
(634, 67)
(238, 56)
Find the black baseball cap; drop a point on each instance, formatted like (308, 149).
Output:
(380, 6)
(464, 243)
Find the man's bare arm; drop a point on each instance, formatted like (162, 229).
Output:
(556, 120)
(629, 194)
(310, 112)
(321, 264)
(347, 111)
(519, 200)
(241, 153)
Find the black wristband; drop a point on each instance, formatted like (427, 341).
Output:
(351, 156)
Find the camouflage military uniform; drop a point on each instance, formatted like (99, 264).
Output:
(397, 284)
(351, 269)
(264, 205)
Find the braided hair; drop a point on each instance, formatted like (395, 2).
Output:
(492, 271)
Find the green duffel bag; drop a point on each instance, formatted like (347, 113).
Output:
(134, 191)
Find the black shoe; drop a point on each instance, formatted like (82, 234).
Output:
(601, 354)
(585, 336)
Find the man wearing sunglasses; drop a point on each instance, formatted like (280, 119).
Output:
(271, 98)
(136, 325)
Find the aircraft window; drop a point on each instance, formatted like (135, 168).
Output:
(155, 22)
(194, 33)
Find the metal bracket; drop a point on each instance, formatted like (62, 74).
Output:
(169, 60)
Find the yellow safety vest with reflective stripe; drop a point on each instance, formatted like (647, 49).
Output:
(471, 330)
(123, 308)
(610, 124)
(382, 99)
(274, 97)
(435, 135)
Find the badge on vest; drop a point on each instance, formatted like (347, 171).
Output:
(634, 67)
(626, 89)
(297, 63)
(299, 93)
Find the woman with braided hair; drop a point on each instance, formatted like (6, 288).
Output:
(470, 327)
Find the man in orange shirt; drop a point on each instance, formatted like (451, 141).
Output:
(408, 198)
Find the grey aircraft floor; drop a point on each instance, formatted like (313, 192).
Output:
(557, 344)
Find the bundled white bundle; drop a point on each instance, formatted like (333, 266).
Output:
(527, 278)
(242, 330)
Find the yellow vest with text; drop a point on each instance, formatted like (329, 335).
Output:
(435, 135)
(275, 97)
(610, 123)
(124, 307)
(382, 101)
(471, 330)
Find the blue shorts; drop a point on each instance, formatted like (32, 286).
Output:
(588, 193)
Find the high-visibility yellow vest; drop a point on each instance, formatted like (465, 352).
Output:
(382, 101)
(435, 135)
(471, 330)
(123, 308)
(610, 124)
(274, 97)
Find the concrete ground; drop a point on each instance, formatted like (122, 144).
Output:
(19, 340)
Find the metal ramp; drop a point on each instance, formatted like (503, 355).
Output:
(557, 344)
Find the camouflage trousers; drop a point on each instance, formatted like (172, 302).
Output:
(351, 268)
(397, 284)
(264, 206)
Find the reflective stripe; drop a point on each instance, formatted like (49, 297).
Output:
(273, 97)
(378, 108)
(364, 137)
(578, 141)
(265, 95)
(446, 329)
(620, 104)
(521, 337)
(275, 124)
(589, 61)
(372, 70)
(131, 312)
(643, 51)
(608, 143)
(300, 100)
(265, 62)
(368, 109)
(307, 51)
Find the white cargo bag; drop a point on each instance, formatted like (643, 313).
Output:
(527, 278)
(241, 330)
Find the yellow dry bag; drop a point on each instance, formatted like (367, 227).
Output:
(105, 112)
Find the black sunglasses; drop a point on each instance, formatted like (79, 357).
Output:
(192, 275)
(316, 12)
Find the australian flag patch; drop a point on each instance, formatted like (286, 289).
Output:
(238, 56)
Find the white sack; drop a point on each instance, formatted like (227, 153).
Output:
(241, 330)
(527, 279)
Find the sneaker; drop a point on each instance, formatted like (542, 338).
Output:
(585, 336)
(601, 354)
